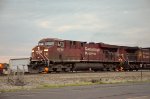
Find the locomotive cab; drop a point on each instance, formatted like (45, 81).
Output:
(40, 52)
(43, 54)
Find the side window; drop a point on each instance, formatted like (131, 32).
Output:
(82, 44)
(106, 52)
(61, 44)
(72, 44)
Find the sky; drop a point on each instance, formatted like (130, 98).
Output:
(24, 22)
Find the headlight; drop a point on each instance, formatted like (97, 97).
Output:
(32, 51)
(45, 50)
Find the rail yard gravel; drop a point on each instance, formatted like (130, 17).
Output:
(64, 79)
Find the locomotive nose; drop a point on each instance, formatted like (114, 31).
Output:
(40, 53)
(37, 53)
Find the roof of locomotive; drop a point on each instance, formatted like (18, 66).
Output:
(54, 39)
(50, 39)
(146, 48)
(102, 44)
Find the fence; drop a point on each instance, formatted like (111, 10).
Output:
(16, 77)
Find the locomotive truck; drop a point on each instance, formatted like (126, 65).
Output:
(57, 55)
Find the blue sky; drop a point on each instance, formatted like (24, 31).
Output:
(24, 22)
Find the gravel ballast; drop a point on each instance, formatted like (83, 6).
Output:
(69, 79)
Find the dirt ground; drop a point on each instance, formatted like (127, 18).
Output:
(29, 82)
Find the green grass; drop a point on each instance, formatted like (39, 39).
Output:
(11, 90)
(87, 83)
(92, 82)
(64, 85)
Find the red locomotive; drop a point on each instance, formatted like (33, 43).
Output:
(66, 55)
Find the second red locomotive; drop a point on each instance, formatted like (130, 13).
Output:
(66, 55)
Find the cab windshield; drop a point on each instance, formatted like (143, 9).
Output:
(41, 43)
(49, 43)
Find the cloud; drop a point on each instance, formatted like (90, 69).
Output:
(66, 28)
(44, 24)
(137, 36)
(137, 32)
(25, 22)
(125, 12)
(76, 22)
(131, 36)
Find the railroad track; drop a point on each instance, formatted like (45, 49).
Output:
(77, 72)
